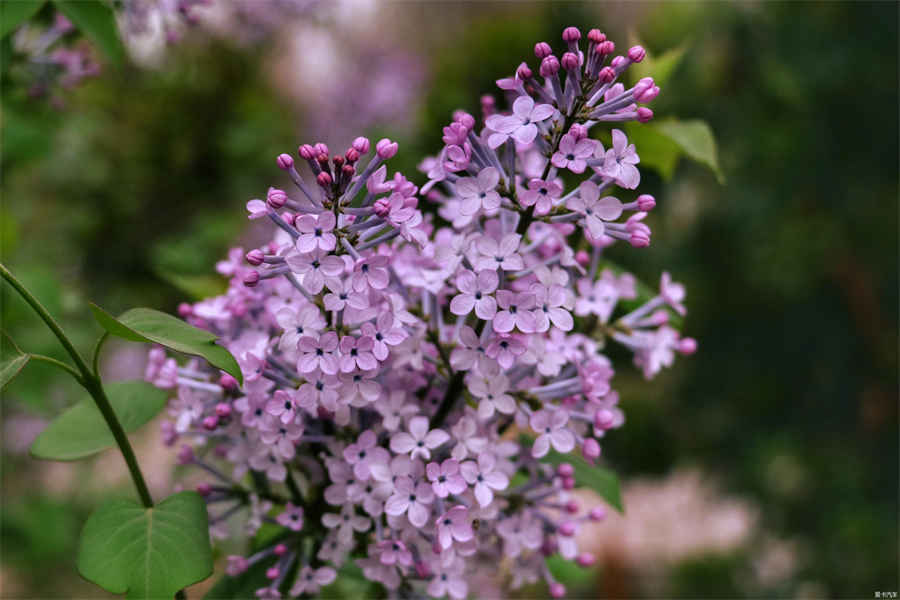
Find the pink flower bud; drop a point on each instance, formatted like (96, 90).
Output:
(578, 131)
(306, 152)
(582, 258)
(604, 419)
(324, 179)
(585, 559)
(352, 155)
(644, 114)
(321, 148)
(646, 202)
(280, 550)
(251, 279)
(617, 62)
(596, 36)
(227, 381)
(659, 317)
(223, 409)
(348, 171)
(568, 483)
(687, 345)
(598, 513)
(386, 148)
(557, 590)
(571, 34)
(591, 449)
(565, 470)
(570, 61)
(272, 573)
(185, 455)
(606, 47)
(567, 529)
(572, 507)
(606, 75)
(382, 207)
(466, 120)
(637, 53)
(361, 145)
(549, 66)
(276, 198)
(523, 72)
(185, 310)
(210, 422)
(542, 50)
(285, 161)
(204, 489)
(648, 96)
(255, 257)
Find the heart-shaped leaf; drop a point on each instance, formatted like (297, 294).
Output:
(147, 552)
(81, 430)
(601, 480)
(696, 139)
(10, 368)
(15, 12)
(147, 325)
(96, 20)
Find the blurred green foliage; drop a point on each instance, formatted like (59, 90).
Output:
(130, 195)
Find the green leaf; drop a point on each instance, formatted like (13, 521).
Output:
(240, 586)
(656, 150)
(696, 139)
(600, 479)
(147, 325)
(660, 68)
(96, 20)
(81, 430)
(10, 368)
(15, 12)
(147, 552)
(196, 286)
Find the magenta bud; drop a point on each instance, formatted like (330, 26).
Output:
(542, 50)
(568, 483)
(606, 47)
(585, 559)
(524, 72)
(338, 161)
(570, 61)
(210, 422)
(598, 513)
(352, 155)
(637, 53)
(227, 381)
(591, 449)
(687, 345)
(386, 148)
(606, 75)
(285, 161)
(382, 207)
(272, 573)
(565, 470)
(251, 279)
(361, 145)
(646, 202)
(549, 66)
(567, 529)
(571, 34)
(659, 317)
(280, 550)
(185, 310)
(578, 131)
(223, 409)
(255, 257)
(649, 95)
(487, 101)
(557, 590)
(604, 419)
(306, 152)
(596, 36)
(324, 179)
(348, 171)
(288, 218)
(617, 62)
(582, 258)
(644, 114)
(466, 120)
(321, 148)
(185, 455)
(204, 489)
(572, 507)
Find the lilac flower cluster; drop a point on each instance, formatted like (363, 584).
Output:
(404, 378)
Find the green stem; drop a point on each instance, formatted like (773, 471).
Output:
(57, 363)
(91, 382)
(97, 348)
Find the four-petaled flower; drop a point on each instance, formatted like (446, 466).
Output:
(419, 441)
(551, 429)
(479, 193)
(475, 292)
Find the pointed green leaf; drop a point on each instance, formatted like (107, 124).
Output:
(696, 139)
(15, 12)
(659, 67)
(147, 552)
(97, 21)
(10, 368)
(600, 479)
(146, 325)
(81, 430)
(656, 150)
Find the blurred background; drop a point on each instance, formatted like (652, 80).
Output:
(764, 466)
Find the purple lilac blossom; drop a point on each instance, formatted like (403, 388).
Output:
(414, 376)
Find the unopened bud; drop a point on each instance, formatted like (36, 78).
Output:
(542, 50)
(255, 257)
(285, 161)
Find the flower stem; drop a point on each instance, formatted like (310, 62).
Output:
(91, 382)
